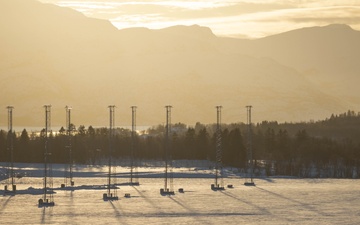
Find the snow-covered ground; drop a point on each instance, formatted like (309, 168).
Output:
(271, 201)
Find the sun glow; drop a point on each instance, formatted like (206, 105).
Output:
(238, 18)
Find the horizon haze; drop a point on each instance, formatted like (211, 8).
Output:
(57, 55)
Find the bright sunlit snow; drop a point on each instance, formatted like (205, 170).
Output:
(272, 201)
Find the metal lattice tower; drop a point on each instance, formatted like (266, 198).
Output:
(134, 179)
(48, 198)
(250, 165)
(10, 169)
(68, 176)
(219, 182)
(111, 185)
(168, 179)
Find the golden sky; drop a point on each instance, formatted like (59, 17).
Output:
(285, 78)
(234, 18)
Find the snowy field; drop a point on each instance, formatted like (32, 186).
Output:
(271, 201)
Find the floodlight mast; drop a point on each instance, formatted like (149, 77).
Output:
(112, 170)
(168, 178)
(133, 174)
(11, 150)
(69, 169)
(111, 133)
(250, 163)
(219, 182)
(47, 184)
(47, 125)
(168, 121)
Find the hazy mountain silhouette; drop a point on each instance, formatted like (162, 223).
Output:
(326, 55)
(54, 55)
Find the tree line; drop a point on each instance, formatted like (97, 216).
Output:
(327, 148)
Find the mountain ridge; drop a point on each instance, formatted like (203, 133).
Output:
(185, 66)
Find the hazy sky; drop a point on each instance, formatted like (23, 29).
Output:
(236, 18)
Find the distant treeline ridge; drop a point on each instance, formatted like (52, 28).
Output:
(327, 148)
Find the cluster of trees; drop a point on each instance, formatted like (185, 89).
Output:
(325, 148)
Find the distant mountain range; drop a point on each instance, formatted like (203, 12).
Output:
(55, 55)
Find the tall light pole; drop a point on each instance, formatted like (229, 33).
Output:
(68, 176)
(168, 179)
(219, 182)
(111, 195)
(250, 163)
(48, 198)
(134, 180)
(10, 141)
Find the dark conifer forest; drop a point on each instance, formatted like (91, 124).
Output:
(330, 147)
